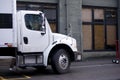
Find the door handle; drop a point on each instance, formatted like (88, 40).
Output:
(25, 40)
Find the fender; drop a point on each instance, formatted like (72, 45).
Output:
(67, 41)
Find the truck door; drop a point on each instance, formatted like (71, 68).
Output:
(34, 39)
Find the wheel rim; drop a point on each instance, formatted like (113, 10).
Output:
(63, 61)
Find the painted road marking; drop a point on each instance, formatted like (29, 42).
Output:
(24, 78)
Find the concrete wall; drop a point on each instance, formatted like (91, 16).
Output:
(98, 54)
(62, 14)
(102, 3)
(70, 19)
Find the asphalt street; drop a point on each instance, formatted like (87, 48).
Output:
(90, 69)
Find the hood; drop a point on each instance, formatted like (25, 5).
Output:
(64, 39)
(60, 38)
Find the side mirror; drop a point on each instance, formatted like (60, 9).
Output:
(43, 30)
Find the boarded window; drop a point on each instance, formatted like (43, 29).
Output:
(86, 15)
(111, 35)
(99, 37)
(99, 14)
(87, 37)
(53, 26)
(99, 28)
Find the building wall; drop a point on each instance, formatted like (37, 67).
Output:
(101, 3)
(62, 20)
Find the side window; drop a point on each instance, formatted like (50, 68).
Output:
(5, 20)
(33, 22)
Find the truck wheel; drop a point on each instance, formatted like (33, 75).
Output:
(60, 61)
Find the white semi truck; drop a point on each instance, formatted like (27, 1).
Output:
(26, 40)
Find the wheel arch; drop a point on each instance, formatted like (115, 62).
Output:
(61, 46)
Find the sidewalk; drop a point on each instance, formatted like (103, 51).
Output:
(94, 61)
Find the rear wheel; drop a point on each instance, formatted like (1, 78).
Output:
(60, 61)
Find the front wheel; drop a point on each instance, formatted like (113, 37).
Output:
(60, 61)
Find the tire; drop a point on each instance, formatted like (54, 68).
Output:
(114, 61)
(117, 61)
(60, 62)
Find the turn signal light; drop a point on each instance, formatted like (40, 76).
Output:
(8, 44)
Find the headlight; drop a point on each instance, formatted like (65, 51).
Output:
(74, 44)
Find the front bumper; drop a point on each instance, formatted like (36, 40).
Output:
(78, 56)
